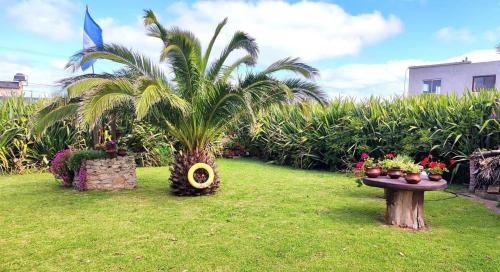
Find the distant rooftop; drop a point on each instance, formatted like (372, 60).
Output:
(466, 61)
(10, 85)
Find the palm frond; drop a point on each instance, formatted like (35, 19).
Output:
(292, 65)
(247, 60)
(154, 27)
(240, 40)
(61, 113)
(118, 54)
(211, 44)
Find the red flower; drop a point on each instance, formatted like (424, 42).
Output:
(389, 156)
(364, 156)
(452, 162)
(359, 165)
(425, 161)
(442, 165)
(433, 164)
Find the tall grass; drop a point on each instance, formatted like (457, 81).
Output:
(333, 136)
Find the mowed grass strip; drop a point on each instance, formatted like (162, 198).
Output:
(264, 218)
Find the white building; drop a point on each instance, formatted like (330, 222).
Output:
(456, 77)
(14, 87)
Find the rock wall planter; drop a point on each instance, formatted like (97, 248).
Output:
(110, 174)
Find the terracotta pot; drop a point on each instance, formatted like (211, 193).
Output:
(435, 177)
(122, 152)
(413, 178)
(394, 173)
(373, 172)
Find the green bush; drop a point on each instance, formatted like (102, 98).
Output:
(76, 158)
(333, 136)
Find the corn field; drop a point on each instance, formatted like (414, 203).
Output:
(332, 136)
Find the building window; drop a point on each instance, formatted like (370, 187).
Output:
(483, 82)
(431, 86)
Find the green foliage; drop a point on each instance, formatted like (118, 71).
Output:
(370, 162)
(309, 135)
(20, 150)
(76, 158)
(411, 168)
(386, 163)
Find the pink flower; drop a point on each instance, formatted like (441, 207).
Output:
(364, 156)
(359, 165)
(389, 156)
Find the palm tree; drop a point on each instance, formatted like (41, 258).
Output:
(197, 102)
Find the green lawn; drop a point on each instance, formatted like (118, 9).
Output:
(264, 218)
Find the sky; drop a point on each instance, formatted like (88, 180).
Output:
(361, 48)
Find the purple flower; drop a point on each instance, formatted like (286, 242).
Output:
(58, 167)
(81, 185)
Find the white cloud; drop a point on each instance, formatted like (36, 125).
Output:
(454, 34)
(133, 36)
(383, 79)
(493, 35)
(49, 18)
(310, 30)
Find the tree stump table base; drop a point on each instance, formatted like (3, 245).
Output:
(405, 209)
(404, 201)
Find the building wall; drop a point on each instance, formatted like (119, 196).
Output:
(11, 91)
(455, 78)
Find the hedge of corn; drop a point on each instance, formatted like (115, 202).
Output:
(309, 135)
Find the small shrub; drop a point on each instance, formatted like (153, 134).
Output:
(76, 158)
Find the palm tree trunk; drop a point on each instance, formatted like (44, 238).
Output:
(96, 133)
(113, 126)
(179, 183)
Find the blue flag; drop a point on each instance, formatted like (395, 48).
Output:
(92, 37)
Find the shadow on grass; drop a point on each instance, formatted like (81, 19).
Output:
(356, 215)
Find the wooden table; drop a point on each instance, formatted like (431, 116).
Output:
(405, 202)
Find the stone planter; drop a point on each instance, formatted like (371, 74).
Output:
(111, 174)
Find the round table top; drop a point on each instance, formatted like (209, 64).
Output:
(401, 184)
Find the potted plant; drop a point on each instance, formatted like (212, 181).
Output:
(122, 151)
(435, 170)
(372, 170)
(386, 163)
(396, 167)
(412, 173)
(111, 149)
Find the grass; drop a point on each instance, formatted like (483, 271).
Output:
(264, 218)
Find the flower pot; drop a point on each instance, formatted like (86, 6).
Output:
(122, 152)
(413, 178)
(435, 177)
(394, 173)
(372, 172)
